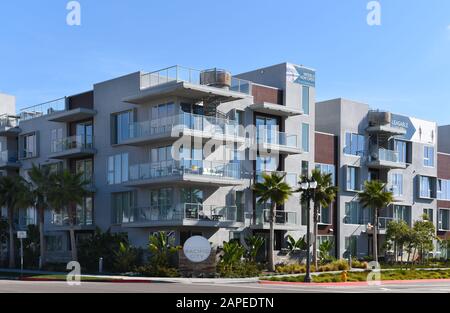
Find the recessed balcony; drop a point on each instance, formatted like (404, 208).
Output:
(269, 140)
(385, 159)
(9, 126)
(284, 220)
(9, 160)
(178, 81)
(185, 172)
(186, 214)
(172, 127)
(73, 147)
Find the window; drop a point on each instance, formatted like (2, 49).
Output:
(428, 156)
(429, 214)
(305, 137)
(29, 146)
(85, 134)
(325, 216)
(122, 122)
(85, 212)
(444, 219)
(351, 244)
(56, 139)
(305, 168)
(327, 169)
(354, 144)
(397, 184)
(305, 100)
(352, 178)
(161, 202)
(118, 169)
(162, 117)
(240, 205)
(357, 215)
(402, 213)
(401, 148)
(426, 185)
(443, 189)
(123, 205)
(85, 167)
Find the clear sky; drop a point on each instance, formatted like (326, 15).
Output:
(402, 65)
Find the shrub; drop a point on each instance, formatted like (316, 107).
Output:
(339, 265)
(240, 270)
(291, 269)
(157, 271)
(359, 264)
(126, 258)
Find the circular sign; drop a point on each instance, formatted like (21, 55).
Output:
(197, 249)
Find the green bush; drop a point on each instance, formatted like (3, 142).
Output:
(291, 269)
(359, 264)
(240, 270)
(339, 265)
(126, 258)
(150, 270)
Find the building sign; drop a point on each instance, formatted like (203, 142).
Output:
(197, 249)
(300, 75)
(419, 131)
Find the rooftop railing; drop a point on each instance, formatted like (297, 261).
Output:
(8, 121)
(43, 109)
(184, 74)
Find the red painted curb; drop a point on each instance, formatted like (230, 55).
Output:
(116, 281)
(359, 283)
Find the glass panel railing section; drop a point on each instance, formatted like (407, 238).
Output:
(83, 217)
(7, 121)
(8, 157)
(189, 75)
(42, 109)
(155, 214)
(291, 179)
(281, 217)
(178, 168)
(74, 142)
(273, 137)
(202, 212)
(385, 155)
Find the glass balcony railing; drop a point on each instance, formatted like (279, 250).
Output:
(385, 155)
(383, 222)
(185, 211)
(283, 218)
(189, 75)
(291, 179)
(273, 137)
(74, 142)
(7, 121)
(8, 157)
(42, 109)
(185, 167)
(180, 122)
(82, 218)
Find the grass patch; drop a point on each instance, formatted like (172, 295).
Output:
(362, 276)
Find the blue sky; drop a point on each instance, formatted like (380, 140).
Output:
(402, 65)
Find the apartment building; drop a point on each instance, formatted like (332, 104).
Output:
(153, 145)
(398, 150)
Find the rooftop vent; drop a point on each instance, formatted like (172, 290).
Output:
(216, 78)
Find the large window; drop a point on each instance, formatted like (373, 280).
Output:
(327, 169)
(325, 216)
(402, 213)
(123, 205)
(426, 187)
(305, 100)
(397, 184)
(85, 167)
(443, 189)
(161, 202)
(401, 148)
(354, 144)
(85, 212)
(162, 117)
(118, 169)
(444, 219)
(122, 123)
(429, 214)
(428, 156)
(85, 134)
(29, 146)
(352, 178)
(356, 214)
(305, 137)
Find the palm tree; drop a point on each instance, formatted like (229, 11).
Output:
(375, 197)
(68, 192)
(42, 181)
(324, 195)
(14, 195)
(275, 191)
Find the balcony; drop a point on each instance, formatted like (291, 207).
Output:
(171, 128)
(186, 214)
(9, 160)
(9, 126)
(185, 172)
(272, 140)
(291, 179)
(62, 221)
(382, 123)
(69, 116)
(284, 220)
(43, 109)
(178, 81)
(276, 109)
(73, 147)
(385, 159)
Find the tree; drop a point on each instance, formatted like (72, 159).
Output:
(275, 191)
(67, 193)
(425, 234)
(396, 236)
(254, 244)
(375, 197)
(324, 196)
(161, 247)
(42, 181)
(14, 195)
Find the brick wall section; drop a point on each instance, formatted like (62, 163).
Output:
(266, 94)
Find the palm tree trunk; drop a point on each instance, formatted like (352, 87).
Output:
(12, 248)
(375, 237)
(41, 238)
(315, 231)
(272, 238)
(73, 244)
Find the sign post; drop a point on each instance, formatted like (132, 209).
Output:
(21, 235)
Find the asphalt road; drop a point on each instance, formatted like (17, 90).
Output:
(62, 287)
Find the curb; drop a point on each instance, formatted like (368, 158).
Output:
(362, 283)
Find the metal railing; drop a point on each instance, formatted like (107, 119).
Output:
(8, 157)
(284, 218)
(8, 121)
(189, 75)
(180, 122)
(291, 179)
(42, 109)
(73, 142)
(184, 167)
(82, 218)
(274, 137)
(185, 211)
